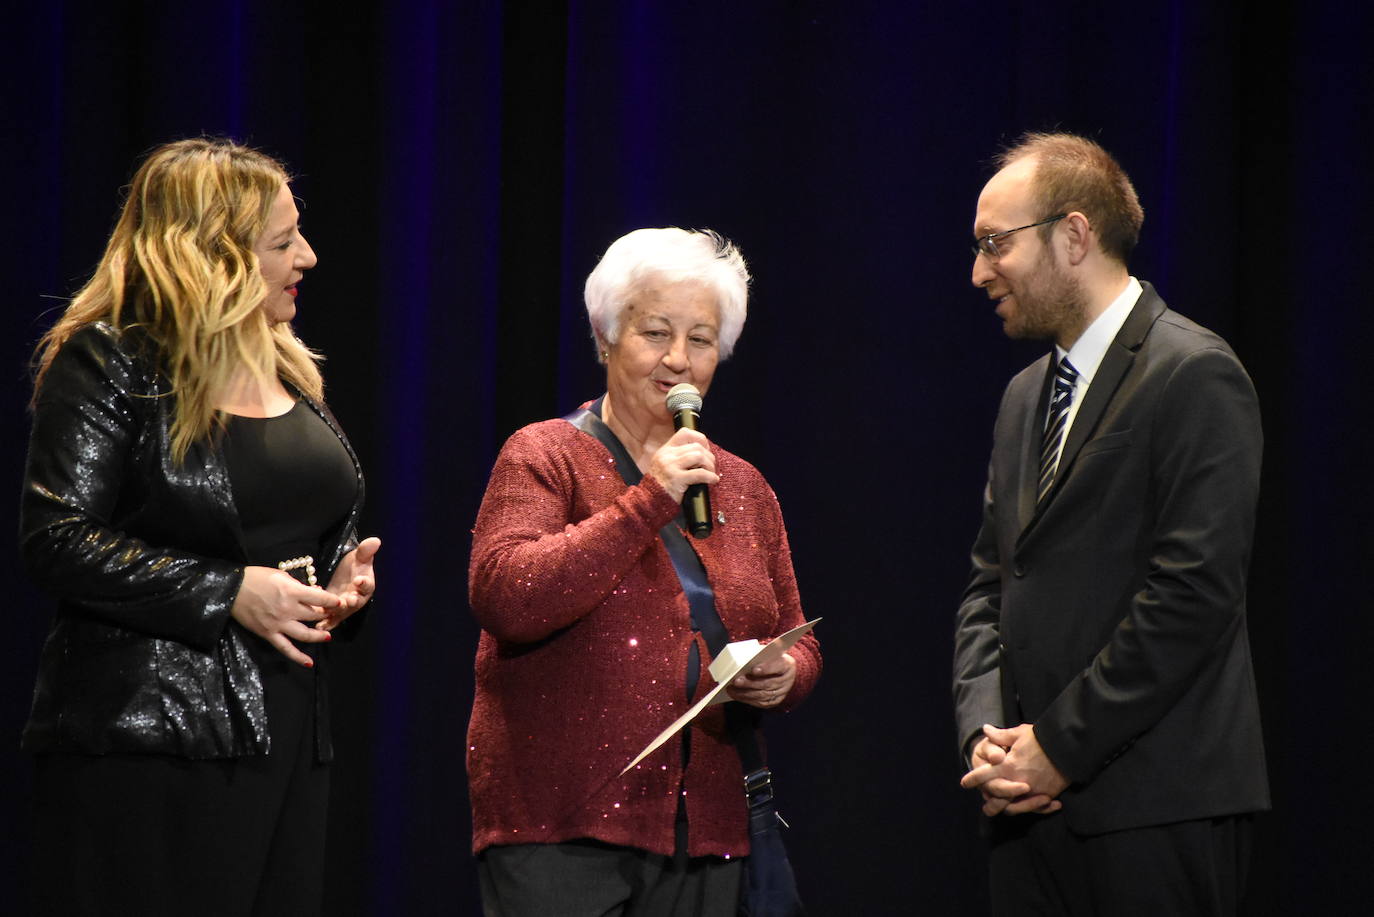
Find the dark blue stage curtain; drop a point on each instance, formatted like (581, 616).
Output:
(462, 166)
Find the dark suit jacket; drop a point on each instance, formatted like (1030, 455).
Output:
(146, 557)
(1112, 615)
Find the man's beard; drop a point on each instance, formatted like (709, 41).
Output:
(1050, 304)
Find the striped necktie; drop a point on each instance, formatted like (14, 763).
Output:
(1065, 376)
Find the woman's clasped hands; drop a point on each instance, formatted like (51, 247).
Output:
(279, 608)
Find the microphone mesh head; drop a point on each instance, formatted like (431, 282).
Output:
(684, 395)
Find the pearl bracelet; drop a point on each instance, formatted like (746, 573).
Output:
(297, 563)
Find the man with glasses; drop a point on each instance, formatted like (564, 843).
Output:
(1102, 679)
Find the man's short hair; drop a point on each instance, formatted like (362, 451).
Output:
(1074, 173)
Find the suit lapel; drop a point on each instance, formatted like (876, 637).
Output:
(359, 495)
(203, 467)
(1116, 361)
(1032, 432)
(216, 476)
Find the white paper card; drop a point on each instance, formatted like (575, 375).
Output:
(733, 659)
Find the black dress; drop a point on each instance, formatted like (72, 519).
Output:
(159, 834)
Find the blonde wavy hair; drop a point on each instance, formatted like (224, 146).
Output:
(180, 265)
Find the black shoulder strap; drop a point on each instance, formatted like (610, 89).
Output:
(589, 421)
(700, 597)
(741, 719)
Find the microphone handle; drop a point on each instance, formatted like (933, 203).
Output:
(696, 502)
(696, 506)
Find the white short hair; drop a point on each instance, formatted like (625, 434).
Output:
(668, 255)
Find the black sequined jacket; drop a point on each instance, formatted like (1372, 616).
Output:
(145, 556)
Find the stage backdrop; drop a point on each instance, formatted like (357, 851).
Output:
(462, 166)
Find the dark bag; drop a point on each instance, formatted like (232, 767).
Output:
(768, 887)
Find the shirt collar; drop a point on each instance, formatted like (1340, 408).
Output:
(1087, 352)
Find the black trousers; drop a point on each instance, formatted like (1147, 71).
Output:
(154, 835)
(1039, 867)
(592, 879)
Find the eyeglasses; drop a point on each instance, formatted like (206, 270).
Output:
(987, 245)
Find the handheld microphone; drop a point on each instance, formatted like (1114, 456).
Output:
(684, 403)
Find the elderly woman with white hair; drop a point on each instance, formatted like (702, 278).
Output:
(591, 644)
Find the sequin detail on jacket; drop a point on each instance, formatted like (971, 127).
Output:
(584, 648)
(145, 558)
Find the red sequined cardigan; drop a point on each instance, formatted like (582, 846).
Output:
(584, 647)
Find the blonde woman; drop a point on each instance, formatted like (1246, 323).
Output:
(192, 505)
